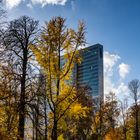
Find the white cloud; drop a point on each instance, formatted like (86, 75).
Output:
(122, 89)
(11, 3)
(123, 70)
(111, 64)
(45, 2)
(108, 85)
(110, 61)
(30, 5)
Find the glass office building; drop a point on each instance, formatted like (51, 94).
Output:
(90, 71)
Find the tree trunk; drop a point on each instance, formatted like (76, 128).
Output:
(54, 131)
(22, 112)
(46, 125)
(22, 99)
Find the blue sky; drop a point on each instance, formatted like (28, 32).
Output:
(113, 23)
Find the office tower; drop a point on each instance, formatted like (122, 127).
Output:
(90, 71)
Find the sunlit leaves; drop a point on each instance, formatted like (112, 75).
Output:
(57, 52)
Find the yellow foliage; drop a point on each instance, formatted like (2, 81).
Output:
(54, 41)
(60, 137)
(78, 111)
(112, 135)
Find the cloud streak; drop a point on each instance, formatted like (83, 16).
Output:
(45, 2)
(123, 70)
(14, 3)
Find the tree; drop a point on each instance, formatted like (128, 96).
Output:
(79, 126)
(8, 105)
(57, 40)
(124, 118)
(112, 110)
(99, 128)
(134, 86)
(39, 110)
(17, 37)
(8, 119)
(112, 135)
(104, 119)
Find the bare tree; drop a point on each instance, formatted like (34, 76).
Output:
(39, 110)
(124, 117)
(134, 86)
(16, 40)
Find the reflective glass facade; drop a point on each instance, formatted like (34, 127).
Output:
(90, 71)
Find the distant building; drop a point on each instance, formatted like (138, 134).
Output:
(90, 71)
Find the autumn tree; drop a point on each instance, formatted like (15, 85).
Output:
(7, 100)
(56, 52)
(105, 119)
(85, 123)
(98, 120)
(134, 86)
(8, 106)
(79, 126)
(17, 37)
(112, 109)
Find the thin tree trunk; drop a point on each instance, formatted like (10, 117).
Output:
(46, 125)
(54, 131)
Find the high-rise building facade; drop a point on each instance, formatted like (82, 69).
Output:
(90, 71)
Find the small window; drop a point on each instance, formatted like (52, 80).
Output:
(95, 52)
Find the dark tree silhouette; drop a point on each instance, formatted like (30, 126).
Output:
(16, 39)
